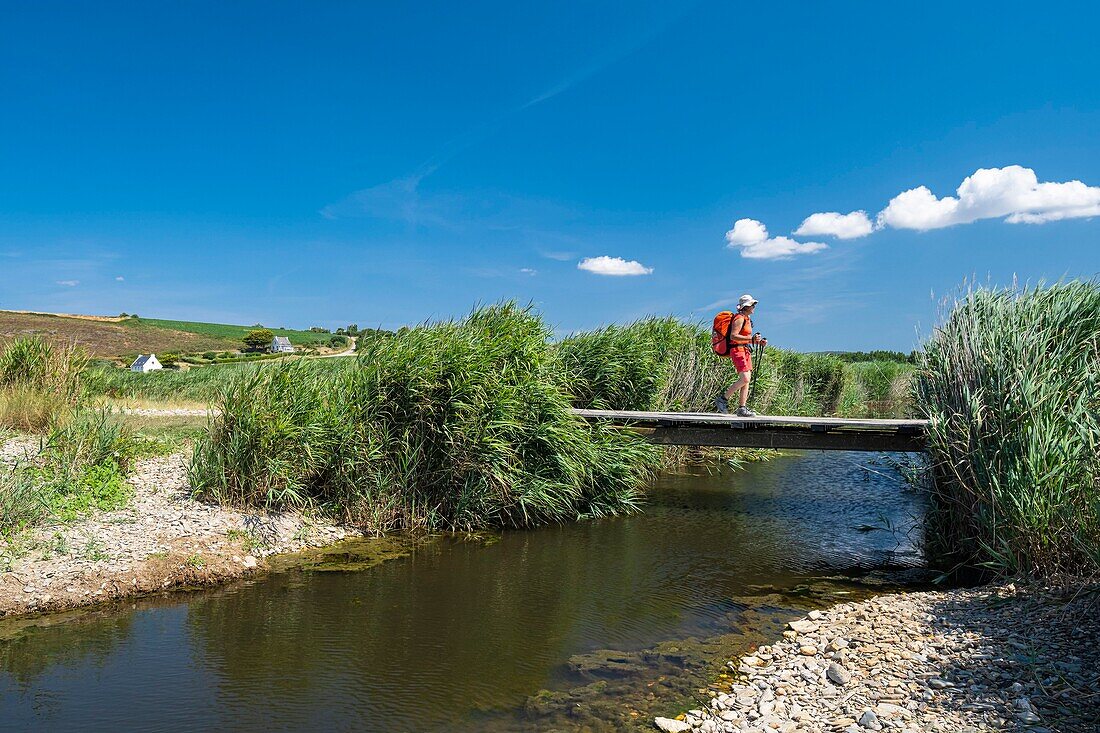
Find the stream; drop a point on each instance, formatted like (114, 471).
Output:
(596, 625)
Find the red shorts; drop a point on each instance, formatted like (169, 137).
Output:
(742, 359)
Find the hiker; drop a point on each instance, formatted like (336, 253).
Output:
(733, 337)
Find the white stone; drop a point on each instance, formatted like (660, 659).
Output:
(668, 725)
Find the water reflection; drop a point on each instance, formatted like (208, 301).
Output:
(457, 634)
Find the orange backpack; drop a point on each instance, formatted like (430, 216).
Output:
(721, 338)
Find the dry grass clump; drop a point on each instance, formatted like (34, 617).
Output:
(40, 383)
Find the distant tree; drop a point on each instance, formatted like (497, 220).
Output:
(318, 329)
(258, 339)
(337, 341)
(352, 330)
(169, 359)
(340, 331)
(123, 314)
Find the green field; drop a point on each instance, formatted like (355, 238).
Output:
(227, 332)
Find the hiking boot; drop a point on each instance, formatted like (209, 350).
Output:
(722, 404)
(744, 412)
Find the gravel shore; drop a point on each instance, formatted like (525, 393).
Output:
(162, 539)
(990, 658)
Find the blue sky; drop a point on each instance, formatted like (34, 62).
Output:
(384, 163)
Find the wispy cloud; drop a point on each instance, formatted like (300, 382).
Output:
(401, 198)
(528, 271)
(119, 278)
(559, 256)
(68, 283)
(613, 266)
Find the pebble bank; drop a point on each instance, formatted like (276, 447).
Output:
(162, 539)
(990, 658)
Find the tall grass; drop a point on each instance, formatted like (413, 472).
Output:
(454, 425)
(664, 364)
(1011, 383)
(877, 389)
(623, 367)
(40, 382)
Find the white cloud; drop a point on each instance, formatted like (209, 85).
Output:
(120, 278)
(752, 237)
(616, 266)
(1012, 192)
(834, 224)
(746, 231)
(68, 283)
(529, 271)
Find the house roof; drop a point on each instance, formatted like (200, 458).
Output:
(141, 360)
(282, 341)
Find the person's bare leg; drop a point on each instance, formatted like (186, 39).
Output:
(741, 385)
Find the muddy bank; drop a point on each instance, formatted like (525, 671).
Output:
(992, 658)
(163, 539)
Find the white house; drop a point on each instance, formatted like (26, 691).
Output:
(145, 363)
(281, 345)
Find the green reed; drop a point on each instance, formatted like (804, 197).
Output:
(1011, 383)
(454, 425)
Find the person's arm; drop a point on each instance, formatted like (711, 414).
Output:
(736, 325)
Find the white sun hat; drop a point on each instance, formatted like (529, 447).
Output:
(745, 301)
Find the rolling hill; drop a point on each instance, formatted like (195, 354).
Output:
(105, 336)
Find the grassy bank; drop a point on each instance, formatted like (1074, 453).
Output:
(454, 425)
(225, 333)
(80, 468)
(1011, 382)
(203, 385)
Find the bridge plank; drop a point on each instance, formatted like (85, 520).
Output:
(714, 419)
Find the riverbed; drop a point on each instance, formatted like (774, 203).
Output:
(596, 625)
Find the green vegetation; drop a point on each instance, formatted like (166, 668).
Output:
(1011, 383)
(203, 385)
(663, 364)
(80, 469)
(258, 339)
(878, 355)
(455, 425)
(39, 383)
(226, 333)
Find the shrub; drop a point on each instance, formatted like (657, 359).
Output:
(1011, 384)
(258, 338)
(455, 425)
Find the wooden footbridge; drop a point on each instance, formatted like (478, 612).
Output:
(769, 431)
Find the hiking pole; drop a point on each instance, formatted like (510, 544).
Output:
(757, 359)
